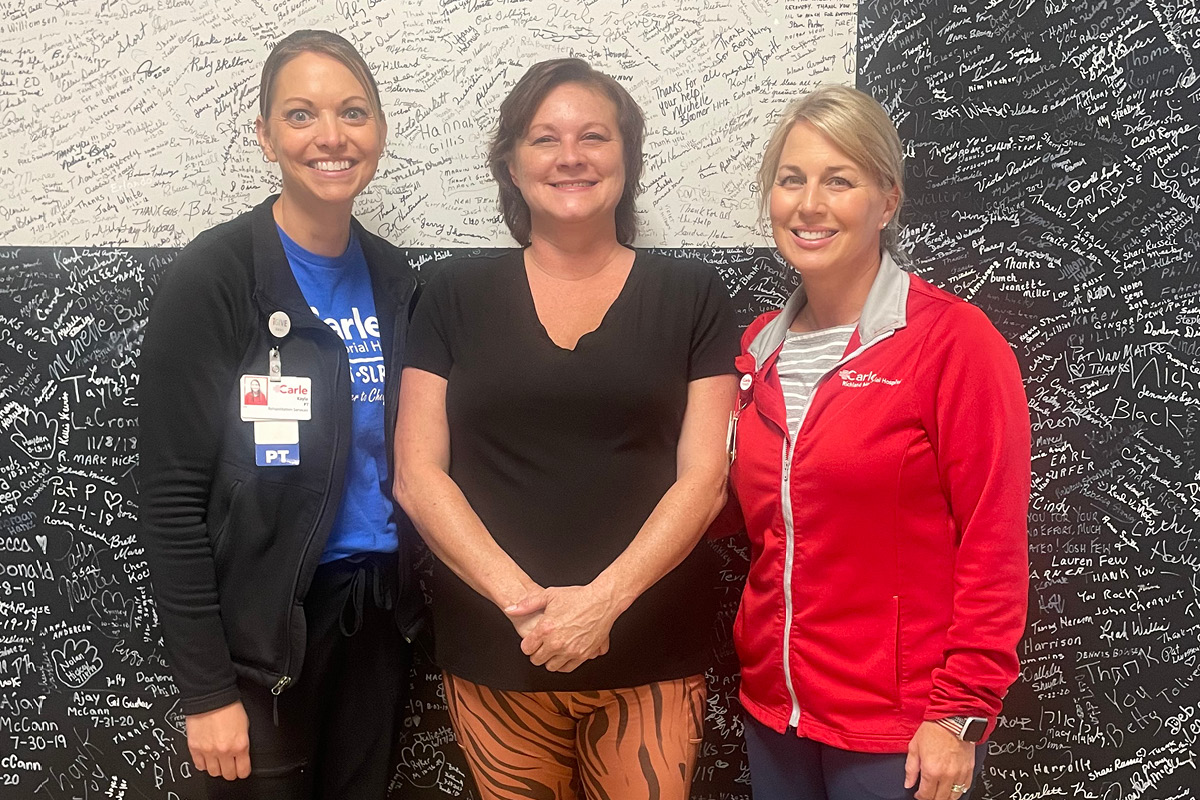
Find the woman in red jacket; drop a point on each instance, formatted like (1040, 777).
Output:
(882, 470)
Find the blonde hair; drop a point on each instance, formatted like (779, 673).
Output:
(860, 127)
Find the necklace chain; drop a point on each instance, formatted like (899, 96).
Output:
(617, 251)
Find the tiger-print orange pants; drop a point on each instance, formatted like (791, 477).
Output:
(612, 744)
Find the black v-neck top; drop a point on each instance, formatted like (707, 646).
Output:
(563, 454)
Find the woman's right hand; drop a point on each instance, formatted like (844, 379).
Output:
(572, 625)
(526, 612)
(219, 741)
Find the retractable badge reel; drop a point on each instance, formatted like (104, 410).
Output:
(280, 325)
(731, 434)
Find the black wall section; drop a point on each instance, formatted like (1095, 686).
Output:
(1054, 180)
(87, 705)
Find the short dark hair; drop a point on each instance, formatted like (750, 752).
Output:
(516, 112)
(326, 43)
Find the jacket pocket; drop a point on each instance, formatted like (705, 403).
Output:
(412, 615)
(218, 537)
(696, 690)
(898, 669)
(260, 557)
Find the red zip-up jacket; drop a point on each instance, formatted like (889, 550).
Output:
(889, 565)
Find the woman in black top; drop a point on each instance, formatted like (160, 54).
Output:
(561, 449)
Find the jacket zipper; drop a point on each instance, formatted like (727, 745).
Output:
(410, 627)
(789, 559)
(286, 680)
(275, 692)
(788, 563)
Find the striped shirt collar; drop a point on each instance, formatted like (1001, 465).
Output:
(884, 311)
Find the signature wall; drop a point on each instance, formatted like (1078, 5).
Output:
(1054, 180)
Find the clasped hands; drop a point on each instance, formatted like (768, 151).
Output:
(563, 626)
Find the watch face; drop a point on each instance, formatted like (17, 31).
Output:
(974, 729)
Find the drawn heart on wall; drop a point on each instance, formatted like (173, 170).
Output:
(112, 499)
(42, 541)
(175, 718)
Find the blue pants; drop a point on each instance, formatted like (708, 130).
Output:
(788, 767)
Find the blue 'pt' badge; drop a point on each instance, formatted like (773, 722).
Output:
(277, 455)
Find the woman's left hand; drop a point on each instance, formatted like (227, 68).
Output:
(941, 761)
(573, 628)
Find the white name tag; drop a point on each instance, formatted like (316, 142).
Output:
(276, 431)
(286, 398)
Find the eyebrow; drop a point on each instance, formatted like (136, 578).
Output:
(355, 99)
(552, 127)
(828, 170)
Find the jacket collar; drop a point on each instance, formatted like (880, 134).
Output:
(275, 285)
(884, 311)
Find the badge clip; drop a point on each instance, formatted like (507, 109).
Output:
(731, 435)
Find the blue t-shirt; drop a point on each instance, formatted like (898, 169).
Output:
(338, 290)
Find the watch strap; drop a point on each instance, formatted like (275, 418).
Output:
(966, 729)
(955, 725)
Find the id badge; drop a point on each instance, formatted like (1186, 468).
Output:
(284, 398)
(277, 443)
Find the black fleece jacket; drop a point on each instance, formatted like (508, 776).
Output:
(232, 547)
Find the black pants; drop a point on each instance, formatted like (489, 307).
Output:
(330, 735)
(789, 767)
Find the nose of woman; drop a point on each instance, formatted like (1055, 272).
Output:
(810, 201)
(328, 131)
(570, 153)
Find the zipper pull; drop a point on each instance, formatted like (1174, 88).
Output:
(282, 684)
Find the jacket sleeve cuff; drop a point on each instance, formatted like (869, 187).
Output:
(934, 712)
(210, 702)
(944, 704)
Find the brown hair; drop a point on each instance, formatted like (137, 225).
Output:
(860, 127)
(516, 112)
(326, 43)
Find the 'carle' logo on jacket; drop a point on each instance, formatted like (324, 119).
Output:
(857, 380)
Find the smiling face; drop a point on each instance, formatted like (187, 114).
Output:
(568, 166)
(826, 211)
(322, 130)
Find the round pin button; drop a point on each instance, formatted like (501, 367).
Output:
(746, 381)
(279, 324)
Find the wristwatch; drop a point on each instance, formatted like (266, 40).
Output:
(967, 729)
